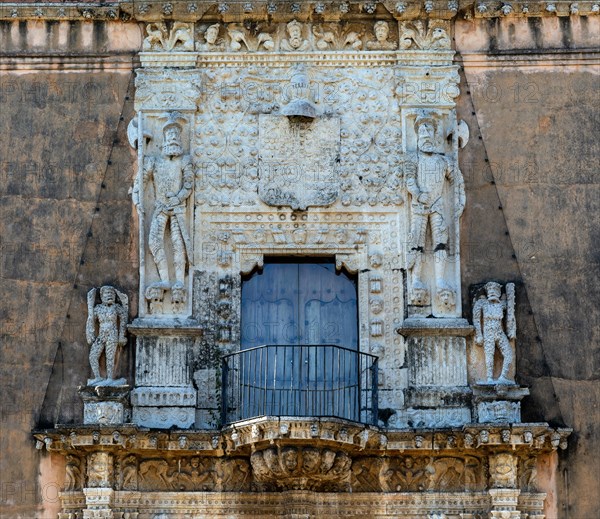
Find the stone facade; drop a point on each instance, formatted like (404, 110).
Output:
(265, 130)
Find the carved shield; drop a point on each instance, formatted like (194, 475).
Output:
(298, 161)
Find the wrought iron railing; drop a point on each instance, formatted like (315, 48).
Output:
(303, 380)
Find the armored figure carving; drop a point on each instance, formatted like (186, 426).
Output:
(173, 176)
(426, 184)
(112, 320)
(492, 310)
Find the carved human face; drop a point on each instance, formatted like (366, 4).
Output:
(409, 462)
(426, 137)
(295, 32)
(382, 31)
(172, 141)
(341, 464)
(211, 34)
(493, 294)
(258, 464)
(376, 305)
(107, 295)
(290, 459)
(310, 459)
(447, 298)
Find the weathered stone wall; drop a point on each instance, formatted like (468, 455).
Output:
(527, 92)
(66, 168)
(533, 199)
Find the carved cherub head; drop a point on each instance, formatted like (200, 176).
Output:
(311, 458)
(341, 464)
(289, 457)
(376, 304)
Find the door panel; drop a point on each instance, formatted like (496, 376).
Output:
(299, 303)
(304, 305)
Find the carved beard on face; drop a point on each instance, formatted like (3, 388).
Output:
(173, 149)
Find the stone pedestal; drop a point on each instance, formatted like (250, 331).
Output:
(99, 503)
(164, 395)
(105, 405)
(438, 394)
(498, 403)
(504, 503)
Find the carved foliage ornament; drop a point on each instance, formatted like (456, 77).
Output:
(292, 36)
(160, 38)
(416, 35)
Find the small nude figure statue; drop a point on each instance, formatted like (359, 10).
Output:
(492, 310)
(111, 317)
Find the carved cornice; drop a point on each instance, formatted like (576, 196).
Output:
(245, 437)
(273, 454)
(280, 10)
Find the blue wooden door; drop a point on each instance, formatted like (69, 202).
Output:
(310, 307)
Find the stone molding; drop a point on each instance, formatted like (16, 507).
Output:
(192, 11)
(350, 437)
(435, 327)
(125, 471)
(304, 503)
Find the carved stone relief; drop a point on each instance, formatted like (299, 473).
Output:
(503, 471)
(495, 328)
(382, 39)
(308, 468)
(293, 36)
(313, 156)
(99, 470)
(418, 35)
(105, 330)
(297, 165)
(437, 199)
(73, 473)
(180, 37)
(406, 474)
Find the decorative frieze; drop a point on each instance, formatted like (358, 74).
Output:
(192, 11)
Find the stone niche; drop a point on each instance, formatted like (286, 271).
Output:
(293, 136)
